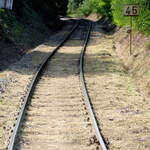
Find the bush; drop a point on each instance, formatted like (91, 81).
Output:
(94, 6)
(29, 15)
(114, 10)
(86, 8)
(25, 10)
(140, 23)
(73, 5)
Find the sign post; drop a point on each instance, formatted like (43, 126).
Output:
(131, 10)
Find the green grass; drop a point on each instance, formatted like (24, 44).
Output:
(114, 10)
(140, 23)
(2, 102)
(147, 45)
(147, 73)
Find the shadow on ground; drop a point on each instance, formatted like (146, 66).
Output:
(23, 67)
(10, 52)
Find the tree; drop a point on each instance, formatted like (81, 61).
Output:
(73, 5)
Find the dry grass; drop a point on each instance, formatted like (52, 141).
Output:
(147, 45)
(138, 63)
(122, 112)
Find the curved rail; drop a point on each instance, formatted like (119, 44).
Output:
(12, 140)
(86, 95)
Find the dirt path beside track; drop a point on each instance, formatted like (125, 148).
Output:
(123, 113)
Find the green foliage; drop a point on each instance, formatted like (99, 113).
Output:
(91, 6)
(88, 7)
(141, 23)
(147, 45)
(114, 10)
(28, 10)
(73, 5)
(29, 15)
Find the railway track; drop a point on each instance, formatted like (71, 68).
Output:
(56, 113)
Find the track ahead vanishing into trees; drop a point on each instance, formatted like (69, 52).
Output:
(56, 113)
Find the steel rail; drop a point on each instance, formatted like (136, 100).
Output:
(86, 94)
(12, 140)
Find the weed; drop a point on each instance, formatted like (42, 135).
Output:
(147, 45)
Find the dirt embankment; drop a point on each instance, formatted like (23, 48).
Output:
(121, 110)
(138, 63)
(12, 48)
(26, 26)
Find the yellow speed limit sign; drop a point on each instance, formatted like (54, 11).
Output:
(131, 10)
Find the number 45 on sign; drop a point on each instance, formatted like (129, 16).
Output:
(131, 10)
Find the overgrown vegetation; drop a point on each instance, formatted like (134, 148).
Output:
(114, 10)
(30, 17)
(141, 22)
(87, 7)
(73, 5)
(147, 45)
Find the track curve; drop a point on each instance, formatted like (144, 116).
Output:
(32, 84)
(69, 129)
(86, 95)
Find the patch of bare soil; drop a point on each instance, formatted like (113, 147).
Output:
(122, 111)
(138, 63)
(14, 82)
(93, 17)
